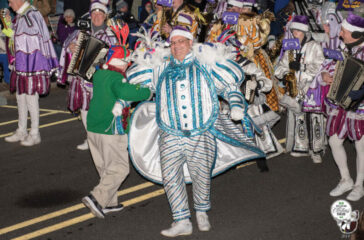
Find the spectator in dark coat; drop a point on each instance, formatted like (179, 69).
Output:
(66, 25)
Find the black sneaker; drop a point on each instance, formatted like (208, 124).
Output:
(117, 208)
(93, 205)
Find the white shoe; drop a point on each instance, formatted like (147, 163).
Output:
(356, 194)
(31, 140)
(316, 158)
(83, 146)
(16, 137)
(183, 227)
(203, 221)
(296, 154)
(343, 186)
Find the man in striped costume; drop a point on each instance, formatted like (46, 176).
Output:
(187, 114)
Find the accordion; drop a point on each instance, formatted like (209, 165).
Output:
(89, 53)
(348, 76)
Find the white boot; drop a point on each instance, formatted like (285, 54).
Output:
(182, 227)
(343, 186)
(33, 108)
(356, 194)
(83, 146)
(17, 136)
(31, 139)
(203, 221)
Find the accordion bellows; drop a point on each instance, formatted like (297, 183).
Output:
(348, 76)
(89, 53)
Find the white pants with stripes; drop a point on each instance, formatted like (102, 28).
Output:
(198, 153)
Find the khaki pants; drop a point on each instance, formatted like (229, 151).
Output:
(110, 155)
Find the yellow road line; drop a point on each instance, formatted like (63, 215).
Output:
(15, 121)
(67, 210)
(41, 109)
(45, 125)
(245, 165)
(84, 217)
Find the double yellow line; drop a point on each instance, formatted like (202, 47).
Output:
(83, 217)
(78, 219)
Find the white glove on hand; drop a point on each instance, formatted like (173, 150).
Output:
(237, 113)
(117, 110)
(271, 44)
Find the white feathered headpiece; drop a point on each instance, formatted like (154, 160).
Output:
(149, 50)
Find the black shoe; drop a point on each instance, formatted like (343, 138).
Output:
(117, 208)
(262, 165)
(93, 205)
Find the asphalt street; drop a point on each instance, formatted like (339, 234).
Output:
(41, 188)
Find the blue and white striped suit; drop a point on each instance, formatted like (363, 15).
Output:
(187, 108)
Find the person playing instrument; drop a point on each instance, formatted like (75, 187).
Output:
(180, 14)
(187, 82)
(298, 67)
(342, 124)
(107, 128)
(80, 90)
(255, 63)
(35, 61)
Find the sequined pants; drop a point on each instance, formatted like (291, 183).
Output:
(198, 153)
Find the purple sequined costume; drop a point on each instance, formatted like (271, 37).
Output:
(80, 91)
(35, 58)
(346, 123)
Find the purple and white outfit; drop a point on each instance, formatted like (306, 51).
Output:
(314, 101)
(342, 123)
(34, 63)
(80, 90)
(304, 131)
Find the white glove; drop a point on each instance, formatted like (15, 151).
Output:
(237, 113)
(271, 44)
(117, 110)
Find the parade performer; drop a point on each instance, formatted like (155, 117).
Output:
(80, 90)
(180, 14)
(331, 21)
(248, 35)
(107, 128)
(304, 131)
(35, 61)
(342, 124)
(186, 119)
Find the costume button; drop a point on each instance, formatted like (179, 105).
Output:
(183, 97)
(184, 107)
(186, 125)
(183, 86)
(184, 116)
(186, 133)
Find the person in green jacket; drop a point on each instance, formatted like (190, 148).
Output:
(107, 128)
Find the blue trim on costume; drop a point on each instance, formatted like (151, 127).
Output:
(202, 127)
(229, 71)
(134, 75)
(192, 93)
(199, 97)
(235, 143)
(176, 115)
